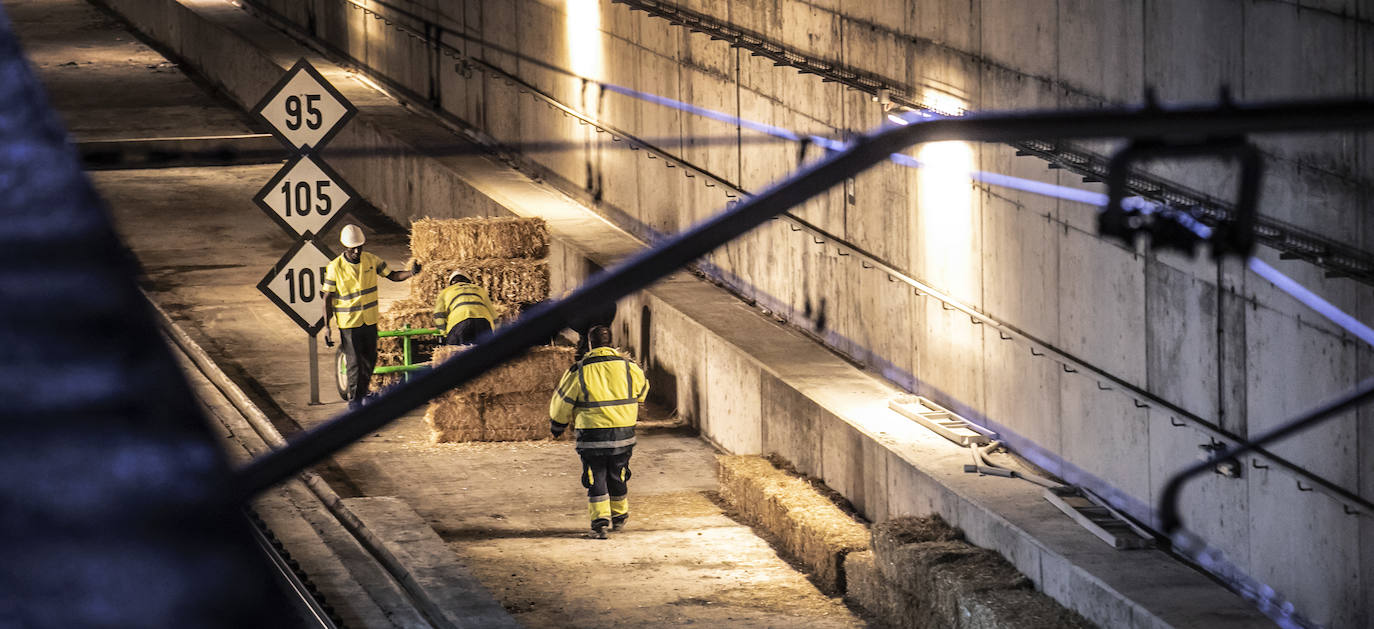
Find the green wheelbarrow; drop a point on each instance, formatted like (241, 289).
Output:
(407, 353)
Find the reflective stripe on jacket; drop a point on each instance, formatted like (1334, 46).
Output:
(601, 394)
(355, 289)
(461, 302)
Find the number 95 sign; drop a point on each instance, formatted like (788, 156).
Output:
(294, 284)
(304, 109)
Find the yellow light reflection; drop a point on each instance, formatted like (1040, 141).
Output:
(946, 216)
(584, 38)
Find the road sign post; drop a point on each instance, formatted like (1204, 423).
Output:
(313, 350)
(305, 197)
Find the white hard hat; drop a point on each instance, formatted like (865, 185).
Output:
(454, 275)
(352, 236)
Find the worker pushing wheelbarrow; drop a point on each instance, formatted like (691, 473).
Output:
(462, 313)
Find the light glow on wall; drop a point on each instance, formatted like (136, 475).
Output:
(584, 38)
(945, 195)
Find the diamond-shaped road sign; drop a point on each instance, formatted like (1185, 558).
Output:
(305, 196)
(304, 110)
(294, 284)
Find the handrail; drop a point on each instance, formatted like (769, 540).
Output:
(1069, 363)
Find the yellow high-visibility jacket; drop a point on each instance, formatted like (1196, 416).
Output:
(601, 396)
(460, 302)
(355, 289)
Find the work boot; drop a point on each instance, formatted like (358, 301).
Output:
(618, 523)
(599, 532)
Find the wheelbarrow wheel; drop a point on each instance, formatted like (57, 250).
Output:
(341, 373)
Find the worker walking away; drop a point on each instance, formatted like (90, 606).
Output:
(463, 311)
(600, 395)
(350, 292)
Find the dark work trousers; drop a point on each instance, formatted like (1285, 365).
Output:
(606, 478)
(468, 331)
(360, 346)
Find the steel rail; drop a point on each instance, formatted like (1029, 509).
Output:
(646, 267)
(309, 607)
(1293, 242)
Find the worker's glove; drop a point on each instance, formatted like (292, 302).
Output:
(328, 342)
(557, 428)
(414, 267)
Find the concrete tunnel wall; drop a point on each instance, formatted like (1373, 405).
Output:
(1219, 343)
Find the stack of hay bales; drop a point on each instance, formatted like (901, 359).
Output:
(507, 403)
(506, 256)
(503, 255)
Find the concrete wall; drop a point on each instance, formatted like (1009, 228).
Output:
(1216, 341)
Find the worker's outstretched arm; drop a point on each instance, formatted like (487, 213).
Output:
(397, 276)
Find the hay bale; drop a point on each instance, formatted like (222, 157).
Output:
(469, 238)
(406, 312)
(507, 281)
(823, 538)
(810, 527)
(1015, 609)
(520, 416)
(866, 588)
(897, 532)
(911, 567)
(537, 370)
(454, 419)
(744, 482)
(981, 571)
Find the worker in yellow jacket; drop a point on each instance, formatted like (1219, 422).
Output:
(600, 395)
(463, 311)
(350, 295)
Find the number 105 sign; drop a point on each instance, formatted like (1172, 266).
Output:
(305, 196)
(294, 284)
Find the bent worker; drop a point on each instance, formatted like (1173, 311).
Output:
(463, 311)
(351, 281)
(601, 395)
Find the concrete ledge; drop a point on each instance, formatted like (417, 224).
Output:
(820, 413)
(812, 529)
